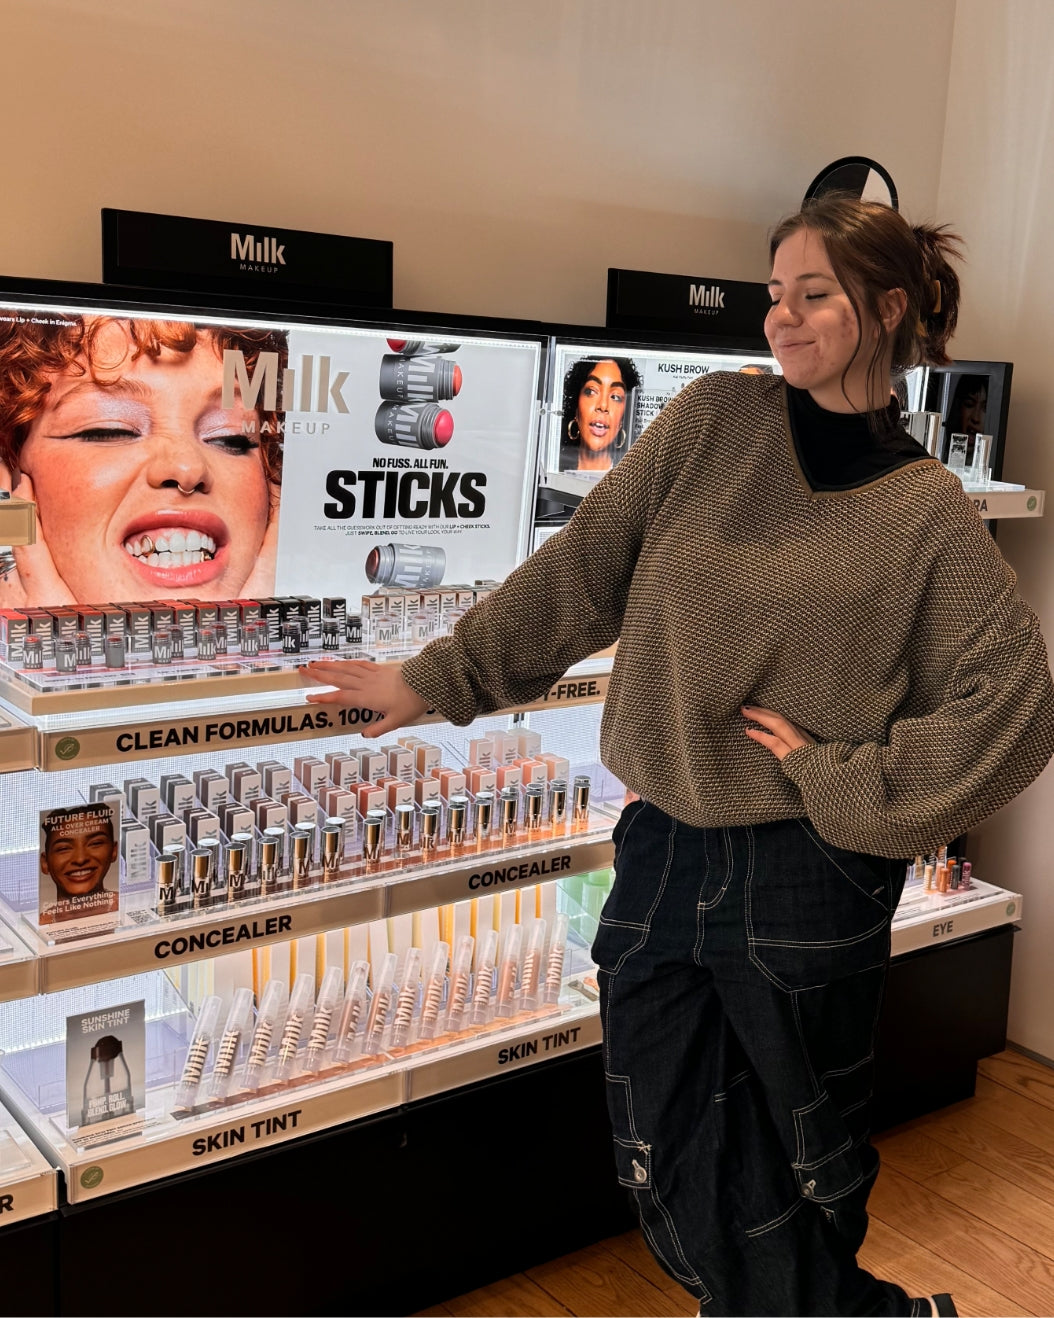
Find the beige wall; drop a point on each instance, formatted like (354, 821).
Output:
(997, 185)
(512, 151)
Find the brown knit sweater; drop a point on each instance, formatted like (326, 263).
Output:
(883, 620)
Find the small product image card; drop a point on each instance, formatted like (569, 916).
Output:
(106, 1072)
(79, 874)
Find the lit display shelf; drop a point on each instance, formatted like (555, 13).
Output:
(999, 504)
(165, 1145)
(18, 744)
(28, 1182)
(18, 522)
(19, 968)
(923, 919)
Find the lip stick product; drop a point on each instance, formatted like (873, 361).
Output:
(509, 971)
(432, 1000)
(383, 991)
(352, 1024)
(531, 976)
(269, 1021)
(329, 995)
(239, 1020)
(197, 1055)
(406, 1001)
(409, 567)
(581, 800)
(483, 988)
(414, 425)
(167, 883)
(557, 803)
(332, 848)
(301, 1005)
(460, 981)
(554, 964)
(84, 653)
(419, 348)
(510, 815)
(113, 651)
(424, 379)
(65, 656)
(207, 643)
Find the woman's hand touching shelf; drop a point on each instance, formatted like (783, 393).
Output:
(367, 685)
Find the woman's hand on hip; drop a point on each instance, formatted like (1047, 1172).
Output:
(367, 685)
(776, 733)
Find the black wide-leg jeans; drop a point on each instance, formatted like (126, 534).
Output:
(741, 977)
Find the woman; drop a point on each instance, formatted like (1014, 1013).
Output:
(594, 428)
(823, 667)
(966, 412)
(146, 485)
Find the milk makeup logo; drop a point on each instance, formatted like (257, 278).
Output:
(264, 254)
(711, 297)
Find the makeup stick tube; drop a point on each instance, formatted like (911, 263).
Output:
(301, 1005)
(269, 1022)
(484, 817)
(201, 863)
(166, 869)
(332, 848)
(554, 964)
(406, 1002)
(301, 839)
(239, 1022)
(236, 858)
(373, 837)
(510, 814)
(483, 987)
(533, 799)
(435, 982)
(581, 800)
(533, 959)
(404, 829)
(430, 819)
(558, 803)
(352, 1024)
(329, 996)
(383, 992)
(460, 980)
(457, 820)
(197, 1055)
(509, 972)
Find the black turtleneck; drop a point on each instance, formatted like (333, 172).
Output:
(840, 450)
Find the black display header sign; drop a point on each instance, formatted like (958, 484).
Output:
(221, 256)
(696, 304)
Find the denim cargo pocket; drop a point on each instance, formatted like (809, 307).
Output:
(644, 856)
(816, 913)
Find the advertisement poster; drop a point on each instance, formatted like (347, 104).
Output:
(106, 1069)
(79, 871)
(603, 402)
(221, 459)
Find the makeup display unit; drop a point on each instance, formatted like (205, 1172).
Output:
(359, 965)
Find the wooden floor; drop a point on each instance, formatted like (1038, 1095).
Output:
(964, 1203)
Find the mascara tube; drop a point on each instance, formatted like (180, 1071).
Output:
(406, 1001)
(197, 1055)
(483, 987)
(432, 1001)
(239, 1021)
(352, 1024)
(383, 992)
(301, 1005)
(460, 981)
(329, 995)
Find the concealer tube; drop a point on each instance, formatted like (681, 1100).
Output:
(167, 883)
(457, 819)
(197, 1055)
(510, 815)
(239, 1021)
(269, 1021)
(531, 975)
(301, 839)
(383, 992)
(404, 829)
(509, 972)
(301, 1003)
(554, 963)
(460, 980)
(329, 995)
(484, 818)
(352, 1024)
(406, 1002)
(533, 799)
(270, 858)
(430, 815)
(483, 987)
(236, 860)
(332, 848)
(201, 878)
(432, 1000)
(558, 803)
(373, 837)
(581, 800)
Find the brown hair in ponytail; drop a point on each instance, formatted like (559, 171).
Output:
(873, 249)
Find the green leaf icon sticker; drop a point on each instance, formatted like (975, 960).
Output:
(91, 1177)
(67, 748)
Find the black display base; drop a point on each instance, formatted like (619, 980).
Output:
(394, 1214)
(28, 1267)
